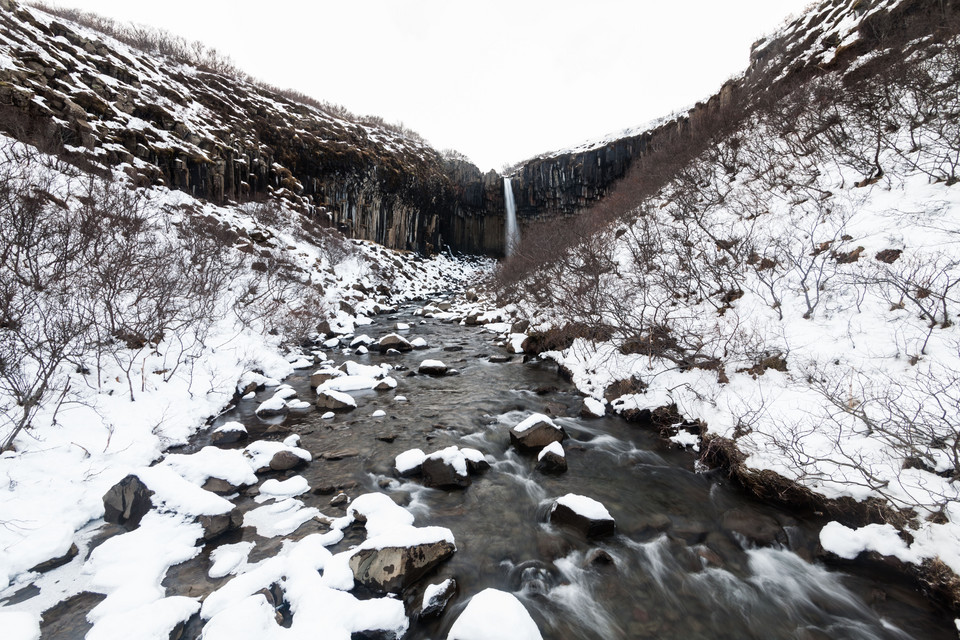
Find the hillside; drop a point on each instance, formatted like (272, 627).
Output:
(222, 137)
(778, 289)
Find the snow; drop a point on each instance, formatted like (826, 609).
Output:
(402, 326)
(418, 343)
(584, 506)
(379, 413)
(882, 538)
(532, 421)
(279, 518)
(288, 488)
(230, 427)
(211, 462)
(20, 625)
(433, 591)
(594, 407)
(347, 383)
(686, 439)
(451, 456)
(329, 415)
(494, 615)
(261, 452)
(228, 558)
(554, 447)
(409, 460)
(472, 455)
(339, 396)
(172, 492)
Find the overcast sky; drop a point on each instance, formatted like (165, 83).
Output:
(500, 81)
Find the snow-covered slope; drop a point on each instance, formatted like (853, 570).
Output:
(792, 290)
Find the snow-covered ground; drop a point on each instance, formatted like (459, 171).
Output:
(796, 301)
(118, 415)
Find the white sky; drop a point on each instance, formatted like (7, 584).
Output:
(499, 80)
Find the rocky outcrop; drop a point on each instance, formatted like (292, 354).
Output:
(221, 137)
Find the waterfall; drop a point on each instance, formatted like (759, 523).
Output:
(513, 233)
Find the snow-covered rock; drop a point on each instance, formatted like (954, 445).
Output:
(494, 615)
(432, 368)
(394, 341)
(335, 400)
(445, 469)
(536, 432)
(583, 514)
(552, 459)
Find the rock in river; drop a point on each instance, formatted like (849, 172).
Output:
(536, 432)
(583, 514)
(394, 568)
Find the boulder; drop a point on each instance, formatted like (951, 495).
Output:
(445, 469)
(437, 596)
(758, 528)
(59, 561)
(126, 502)
(216, 525)
(228, 433)
(322, 375)
(393, 569)
(219, 486)
(552, 459)
(494, 614)
(476, 461)
(536, 432)
(394, 341)
(582, 514)
(410, 463)
(285, 459)
(432, 368)
(335, 401)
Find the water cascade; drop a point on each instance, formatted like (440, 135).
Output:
(513, 232)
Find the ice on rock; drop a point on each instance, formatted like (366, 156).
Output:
(494, 615)
(289, 488)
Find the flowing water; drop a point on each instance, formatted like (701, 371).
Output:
(692, 558)
(512, 232)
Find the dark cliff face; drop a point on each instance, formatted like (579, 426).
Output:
(102, 103)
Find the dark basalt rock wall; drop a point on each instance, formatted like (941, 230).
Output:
(102, 104)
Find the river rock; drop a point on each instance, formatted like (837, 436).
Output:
(432, 368)
(536, 432)
(445, 469)
(758, 528)
(437, 596)
(216, 525)
(59, 561)
(126, 502)
(275, 406)
(335, 400)
(582, 514)
(285, 459)
(394, 568)
(494, 614)
(394, 341)
(228, 433)
(410, 463)
(322, 375)
(219, 486)
(593, 408)
(552, 459)
(476, 461)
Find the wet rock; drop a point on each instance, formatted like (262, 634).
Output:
(126, 502)
(598, 558)
(453, 348)
(59, 561)
(387, 437)
(323, 375)
(340, 455)
(219, 486)
(536, 432)
(476, 461)
(339, 500)
(228, 433)
(552, 459)
(395, 342)
(284, 460)
(335, 401)
(437, 596)
(393, 569)
(471, 295)
(217, 525)
(500, 359)
(582, 514)
(756, 527)
(432, 368)
(520, 326)
(446, 469)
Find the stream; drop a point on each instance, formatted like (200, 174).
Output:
(693, 556)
